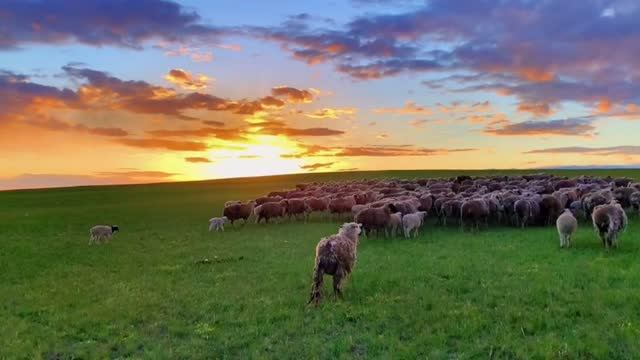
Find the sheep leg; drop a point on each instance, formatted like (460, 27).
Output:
(406, 233)
(316, 287)
(338, 278)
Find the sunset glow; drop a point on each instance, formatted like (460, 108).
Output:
(190, 90)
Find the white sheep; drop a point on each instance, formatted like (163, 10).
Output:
(217, 223)
(396, 223)
(412, 223)
(567, 226)
(100, 233)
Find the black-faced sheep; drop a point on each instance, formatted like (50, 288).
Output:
(609, 220)
(336, 255)
(567, 226)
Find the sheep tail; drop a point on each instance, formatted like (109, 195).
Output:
(316, 288)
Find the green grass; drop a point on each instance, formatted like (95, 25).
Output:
(503, 293)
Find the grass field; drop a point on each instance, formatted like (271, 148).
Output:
(503, 293)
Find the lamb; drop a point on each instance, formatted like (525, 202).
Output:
(236, 212)
(101, 233)
(567, 226)
(336, 255)
(412, 223)
(395, 223)
(217, 223)
(608, 221)
(270, 210)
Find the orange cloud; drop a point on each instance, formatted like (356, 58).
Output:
(164, 144)
(197, 160)
(316, 166)
(186, 81)
(293, 95)
(604, 105)
(331, 113)
(410, 108)
(535, 108)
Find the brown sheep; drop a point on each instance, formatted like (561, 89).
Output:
(426, 203)
(342, 205)
(623, 195)
(318, 204)
(451, 210)
(375, 219)
(270, 210)
(475, 212)
(635, 201)
(297, 208)
(236, 212)
(336, 255)
(523, 212)
(268, 199)
(550, 209)
(622, 182)
(608, 221)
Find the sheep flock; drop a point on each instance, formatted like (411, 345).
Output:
(397, 207)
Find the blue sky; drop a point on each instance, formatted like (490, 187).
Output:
(195, 89)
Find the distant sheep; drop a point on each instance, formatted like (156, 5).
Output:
(217, 223)
(298, 208)
(100, 233)
(567, 226)
(609, 220)
(336, 255)
(411, 223)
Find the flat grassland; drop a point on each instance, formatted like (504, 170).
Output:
(502, 293)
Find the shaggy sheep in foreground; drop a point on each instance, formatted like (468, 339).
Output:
(608, 221)
(101, 233)
(335, 255)
(217, 223)
(567, 226)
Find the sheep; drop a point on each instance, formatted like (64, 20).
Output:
(635, 201)
(268, 199)
(395, 223)
(576, 208)
(341, 205)
(567, 226)
(412, 223)
(232, 202)
(355, 209)
(375, 219)
(336, 255)
(523, 212)
(550, 208)
(297, 207)
(623, 195)
(236, 212)
(270, 210)
(101, 233)
(608, 221)
(476, 211)
(217, 223)
(318, 204)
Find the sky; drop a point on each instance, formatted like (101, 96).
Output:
(113, 91)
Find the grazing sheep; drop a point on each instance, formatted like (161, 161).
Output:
(375, 219)
(241, 211)
(608, 221)
(474, 211)
(100, 233)
(412, 223)
(217, 223)
(567, 226)
(336, 255)
(395, 223)
(270, 210)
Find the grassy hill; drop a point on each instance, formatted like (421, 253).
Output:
(503, 293)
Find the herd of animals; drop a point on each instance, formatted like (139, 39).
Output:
(400, 207)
